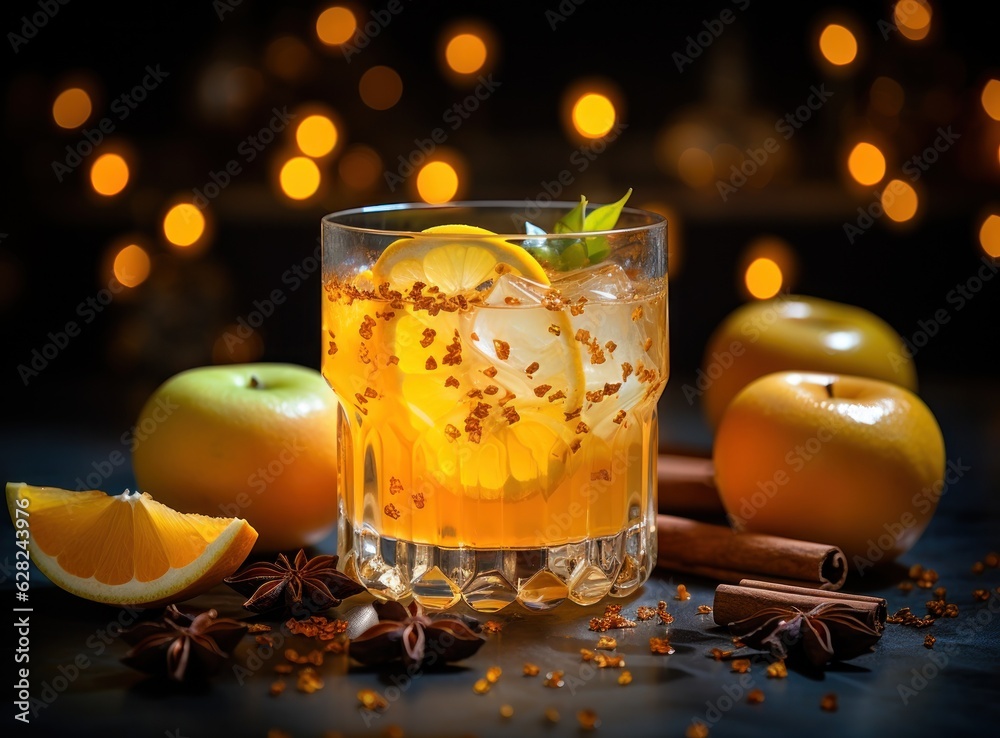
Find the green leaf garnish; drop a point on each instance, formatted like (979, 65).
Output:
(564, 254)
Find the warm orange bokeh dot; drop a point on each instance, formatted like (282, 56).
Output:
(437, 182)
(887, 96)
(695, 167)
(838, 45)
(593, 115)
(359, 167)
(71, 108)
(866, 163)
(913, 18)
(109, 174)
(380, 87)
(299, 178)
(131, 265)
(763, 278)
(991, 99)
(899, 200)
(316, 135)
(989, 236)
(336, 25)
(466, 53)
(183, 224)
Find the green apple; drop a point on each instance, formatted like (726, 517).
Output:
(848, 461)
(257, 441)
(797, 333)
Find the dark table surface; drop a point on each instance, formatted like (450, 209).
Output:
(902, 688)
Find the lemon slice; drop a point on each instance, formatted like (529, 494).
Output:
(127, 549)
(452, 265)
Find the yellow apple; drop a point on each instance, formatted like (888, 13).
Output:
(848, 461)
(797, 333)
(257, 441)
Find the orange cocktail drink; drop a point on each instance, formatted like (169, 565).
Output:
(498, 402)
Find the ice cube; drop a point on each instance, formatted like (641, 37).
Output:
(510, 289)
(601, 282)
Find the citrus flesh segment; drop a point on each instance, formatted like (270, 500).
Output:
(127, 549)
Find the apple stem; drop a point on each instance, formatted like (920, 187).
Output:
(254, 382)
(829, 390)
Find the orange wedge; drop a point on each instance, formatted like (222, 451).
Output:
(127, 549)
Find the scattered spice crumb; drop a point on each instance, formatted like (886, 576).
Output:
(607, 643)
(612, 618)
(777, 670)
(588, 719)
(277, 688)
(740, 666)
(755, 696)
(829, 702)
(645, 613)
(258, 628)
(992, 559)
(506, 711)
(660, 645)
(980, 595)
(481, 686)
(929, 640)
(704, 609)
(940, 593)
(371, 700)
(308, 681)
(283, 669)
(530, 670)
(978, 568)
(554, 679)
(719, 655)
(552, 714)
(905, 586)
(682, 593)
(697, 729)
(625, 678)
(493, 674)
(492, 626)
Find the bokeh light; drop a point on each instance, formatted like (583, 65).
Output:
(336, 25)
(912, 18)
(593, 115)
(227, 351)
(866, 163)
(887, 96)
(695, 167)
(109, 174)
(316, 135)
(183, 225)
(899, 200)
(131, 265)
(287, 57)
(380, 87)
(465, 53)
(437, 182)
(989, 235)
(72, 108)
(991, 99)
(359, 167)
(763, 278)
(838, 45)
(299, 178)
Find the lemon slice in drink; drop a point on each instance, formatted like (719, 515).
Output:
(478, 425)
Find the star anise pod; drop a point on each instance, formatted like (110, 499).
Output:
(831, 631)
(409, 634)
(314, 582)
(183, 645)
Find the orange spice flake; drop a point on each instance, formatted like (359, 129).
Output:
(430, 365)
(719, 655)
(277, 687)
(625, 678)
(612, 618)
(481, 410)
(829, 702)
(258, 628)
(582, 335)
(317, 626)
(626, 370)
(510, 415)
(682, 593)
(611, 346)
(645, 613)
(606, 643)
(477, 393)
(371, 392)
(704, 609)
(392, 511)
(493, 626)
(576, 309)
(474, 336)
(541, 389)
(493, 674)
(557, 395)
(481, 686)
(502, 348)
(554, 679)
(602, 474)
(574, 413)
(637, 313)
(697, 729)
(595, 396)
(418, 500)
(980, 595)
(660, 645)
(531, 368)
(367, 323)
(929, 640)
(372, 700)
(428, 338)
(395, 486)
(451, 432)
(740, 666)
(490, 371)
(777, 670)
(491, 389)
(582, 427)
(451, 381)
(283, 669)
(619, 417)
(555, 330)
(755, 696)
(308, 681)
(393, 360)
(530, 670)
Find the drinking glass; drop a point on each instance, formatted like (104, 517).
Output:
(498, 389)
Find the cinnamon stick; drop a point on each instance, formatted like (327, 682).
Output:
(686, 486)
(735, 602)
(718, 552)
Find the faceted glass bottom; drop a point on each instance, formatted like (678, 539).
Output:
(489, 580)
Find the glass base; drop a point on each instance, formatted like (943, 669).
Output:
(489, 580)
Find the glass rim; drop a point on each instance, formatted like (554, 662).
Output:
(656, 220)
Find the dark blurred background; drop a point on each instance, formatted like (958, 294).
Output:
(201, 103)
